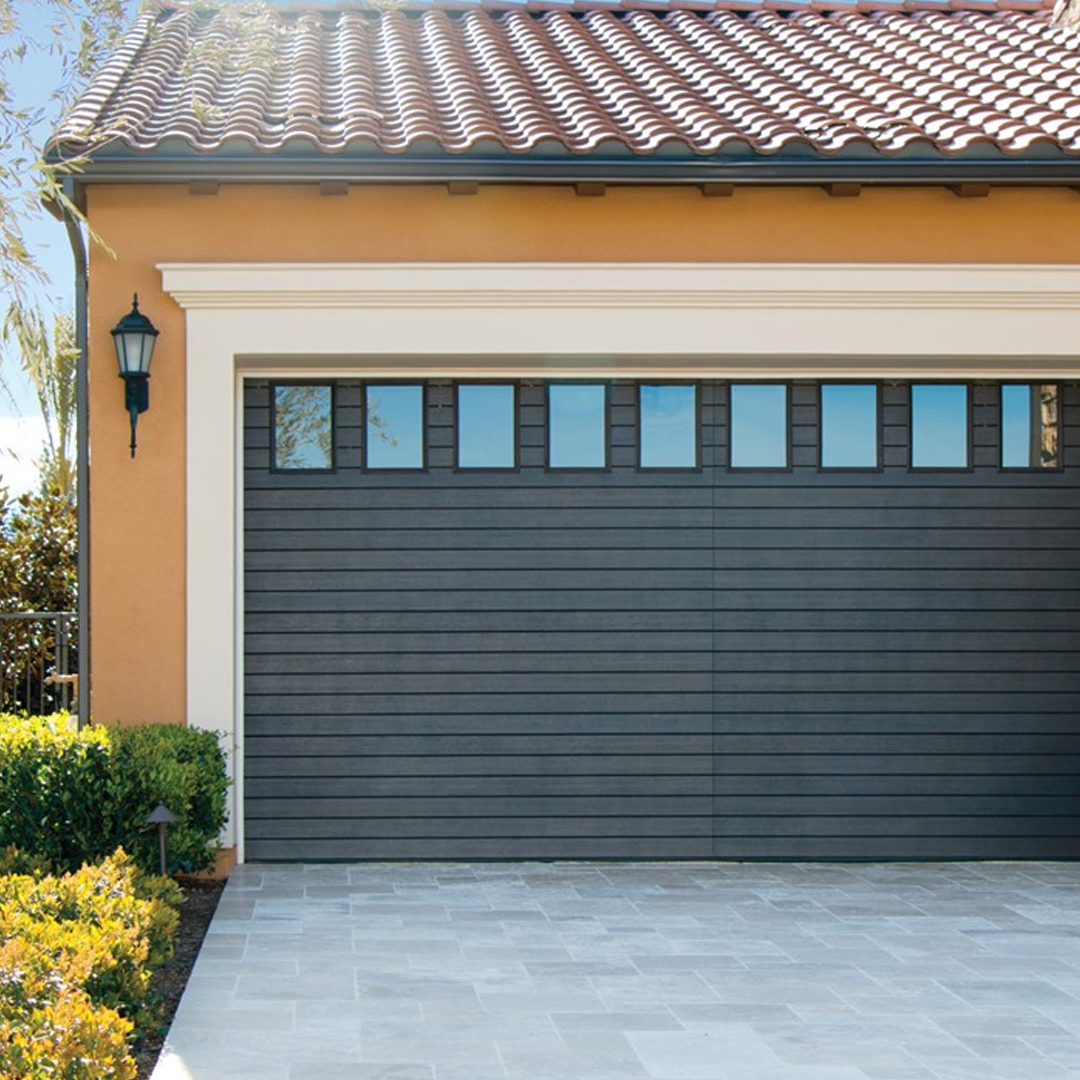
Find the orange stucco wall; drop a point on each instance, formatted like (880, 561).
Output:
(137, 507)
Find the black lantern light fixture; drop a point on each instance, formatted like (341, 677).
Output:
(134, 337)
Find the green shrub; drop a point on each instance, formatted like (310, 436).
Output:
(14, 861)
(183, 768)
(70, 797)
(76, 954)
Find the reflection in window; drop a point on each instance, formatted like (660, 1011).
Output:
(849, 426)
(668, 425)
(939, 426)
(577, 426)
(394, 430)
(1030, 427)
(303, 426)
(759, 426)
(485, 427)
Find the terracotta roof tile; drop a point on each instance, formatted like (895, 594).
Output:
(704, 77)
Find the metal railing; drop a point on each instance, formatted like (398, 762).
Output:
(38, 661)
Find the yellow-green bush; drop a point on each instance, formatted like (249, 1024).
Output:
(50, 1029)
(76, 955)
(73, 796)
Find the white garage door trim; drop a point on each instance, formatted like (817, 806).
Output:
(631, 320)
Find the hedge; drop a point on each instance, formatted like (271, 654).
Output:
(71, 796)
(76, 955)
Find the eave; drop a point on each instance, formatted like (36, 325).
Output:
(294, 168)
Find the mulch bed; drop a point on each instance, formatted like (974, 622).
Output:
(168, 982)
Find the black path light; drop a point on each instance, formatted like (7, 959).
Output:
(134, 337)
(162, 817)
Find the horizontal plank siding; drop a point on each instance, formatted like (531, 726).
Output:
(895, 665)
(456, 664)
(621, 663)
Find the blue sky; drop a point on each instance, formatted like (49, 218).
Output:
(34, 81)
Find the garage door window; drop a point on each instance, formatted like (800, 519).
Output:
(303, 427)
(668, 426)
(486, 426)
(1030, 428)
(577, 425)
(759, 426)
(849, 426)
(394, 426)
(940, 428)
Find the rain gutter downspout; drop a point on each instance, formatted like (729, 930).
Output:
(82, 444)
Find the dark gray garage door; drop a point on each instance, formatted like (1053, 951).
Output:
(790, 663)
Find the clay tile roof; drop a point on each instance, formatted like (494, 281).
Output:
(579, 77)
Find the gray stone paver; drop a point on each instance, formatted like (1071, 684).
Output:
(597, 971)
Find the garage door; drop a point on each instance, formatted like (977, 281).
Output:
(541, 620)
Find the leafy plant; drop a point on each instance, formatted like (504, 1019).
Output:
(70, 796)
(38, 572)
(76, 954)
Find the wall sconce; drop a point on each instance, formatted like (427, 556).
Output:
(134, 337)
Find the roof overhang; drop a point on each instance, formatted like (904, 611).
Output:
(259, 168)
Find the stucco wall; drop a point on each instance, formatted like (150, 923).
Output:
(137, 507)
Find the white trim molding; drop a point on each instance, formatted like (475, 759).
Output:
(583, 319)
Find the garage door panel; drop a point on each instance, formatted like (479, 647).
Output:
(740, 793)
(991, 827)
(890, 721)
(801, 703)
(889, 622)
(456, 704)
(488, 826)
(460, 500)
(896, 745)
(499, 815)
(274, 786)
(601, 557)
(900, 598)
(780, 762)
(896, 660)
(1033, 685)
(912, 559)
(589, 516)
(509, 642)
(953, 513)
(903, 848)
(807, 538)
(921, 580)
(782, 643)
(380, 601)
(495, 723)
(584, 743)
(482, 663)
(451, 848)
(479, 537)
(951, 810)
(630, 766)
(618, 663)
(899, 488)
(569, 581)
(500, 682)
(482, 622)
(891, 786)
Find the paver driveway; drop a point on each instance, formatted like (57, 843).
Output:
(602, 971)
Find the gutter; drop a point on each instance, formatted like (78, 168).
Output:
(82, 452)
(254, 168)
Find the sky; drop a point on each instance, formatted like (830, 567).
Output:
(21, 426)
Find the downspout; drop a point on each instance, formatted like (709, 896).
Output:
(82, 453)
